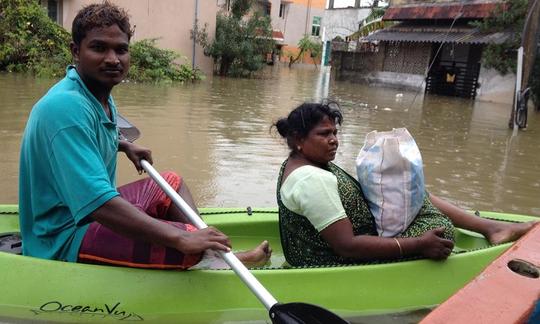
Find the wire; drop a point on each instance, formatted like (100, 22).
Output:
(459, 15)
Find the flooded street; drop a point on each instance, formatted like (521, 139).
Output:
(217, 135)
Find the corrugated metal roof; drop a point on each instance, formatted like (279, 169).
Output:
(438, 35)
(443, 11)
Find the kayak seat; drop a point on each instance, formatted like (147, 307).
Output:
(11, 243)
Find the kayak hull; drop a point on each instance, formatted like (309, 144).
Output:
(44, 290)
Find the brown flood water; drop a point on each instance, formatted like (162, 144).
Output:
(216, 134)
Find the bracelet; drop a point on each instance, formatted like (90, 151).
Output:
(399, 246)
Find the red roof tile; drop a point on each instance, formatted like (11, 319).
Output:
(276, 34)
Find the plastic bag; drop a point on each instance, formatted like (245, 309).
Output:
(390, 172)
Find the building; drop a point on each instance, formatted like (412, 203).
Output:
(339, 22)
(169, 21)
(291, 20)
(433, 47)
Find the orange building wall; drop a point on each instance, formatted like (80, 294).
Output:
(314, 3)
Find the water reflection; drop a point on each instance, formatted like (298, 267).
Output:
(216, 133)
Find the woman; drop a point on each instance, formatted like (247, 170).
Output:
(324, 218)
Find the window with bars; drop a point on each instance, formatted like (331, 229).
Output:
(282, 8)
(316, 26)
(267, 9)
(52, 9)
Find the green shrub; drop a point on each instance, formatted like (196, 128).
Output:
(150, 64)
(30, 41)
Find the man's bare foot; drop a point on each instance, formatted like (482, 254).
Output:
(256, 257)
(507, 232)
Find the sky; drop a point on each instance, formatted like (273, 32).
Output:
(346, 3)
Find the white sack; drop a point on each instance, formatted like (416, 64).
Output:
(389, 169)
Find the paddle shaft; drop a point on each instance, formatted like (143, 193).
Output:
(236, 265)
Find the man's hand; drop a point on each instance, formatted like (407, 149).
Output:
(135, 154)
(201, 240)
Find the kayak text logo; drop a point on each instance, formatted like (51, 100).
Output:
(106, 311)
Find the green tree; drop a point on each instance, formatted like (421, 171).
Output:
(372, 23)
(242, 40)
(511, 18)
(30, 41)
(310, 45)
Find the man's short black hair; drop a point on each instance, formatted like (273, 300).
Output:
(99, 15)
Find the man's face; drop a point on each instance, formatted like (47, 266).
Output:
(102, 58)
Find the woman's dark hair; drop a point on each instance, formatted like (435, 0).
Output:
(99, 15)
(304, 118)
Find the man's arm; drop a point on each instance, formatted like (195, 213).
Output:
(123, 218)
(135, 153)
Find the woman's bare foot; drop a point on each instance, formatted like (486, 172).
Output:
(257, 256)
(502, 232)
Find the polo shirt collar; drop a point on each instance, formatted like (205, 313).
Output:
(72, 74)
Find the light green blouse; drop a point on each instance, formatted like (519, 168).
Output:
(313, 193)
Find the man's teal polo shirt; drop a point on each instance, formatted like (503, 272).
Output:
(67, 168)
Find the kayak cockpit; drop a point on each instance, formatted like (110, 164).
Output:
(11, 243)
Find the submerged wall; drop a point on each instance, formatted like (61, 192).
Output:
(394, 65)
(495, 87)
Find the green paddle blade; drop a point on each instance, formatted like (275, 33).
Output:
(302, 313)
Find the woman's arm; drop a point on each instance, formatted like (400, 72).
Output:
(341, 238)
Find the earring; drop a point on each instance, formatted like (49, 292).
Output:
(299, 148)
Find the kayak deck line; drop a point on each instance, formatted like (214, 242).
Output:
(218, 211)
(505, 292)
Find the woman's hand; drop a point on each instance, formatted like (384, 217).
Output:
(201, 240)
(433, 246)
(135, 154)
(341, 238)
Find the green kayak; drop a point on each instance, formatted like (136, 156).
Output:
(53, 291)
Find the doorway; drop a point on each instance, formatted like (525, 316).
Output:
(455, 70)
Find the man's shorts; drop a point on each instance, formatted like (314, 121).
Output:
(103, 246)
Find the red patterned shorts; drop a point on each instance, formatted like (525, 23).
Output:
(102, 246)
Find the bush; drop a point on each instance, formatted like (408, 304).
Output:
(151, 64)
(30, 41)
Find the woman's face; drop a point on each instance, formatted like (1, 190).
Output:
(321, 143)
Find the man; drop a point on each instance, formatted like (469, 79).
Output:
(70, 208)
